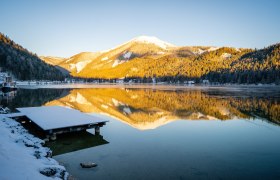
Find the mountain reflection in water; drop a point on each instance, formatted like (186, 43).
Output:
(148, 108)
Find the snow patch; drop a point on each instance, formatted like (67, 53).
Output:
(237, 49)
(80, 99)
(127, 110)
(213, 49)
(144, 39)
(226, 55)
(127, 55)
(200, 51)
(211, 117)
(81, 65)
(117, 62)
(116, 102)
(156, 123)
(104, 106)
(72, 66)
(153, 40)
(105, 58)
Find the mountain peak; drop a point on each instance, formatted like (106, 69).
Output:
(152, 40)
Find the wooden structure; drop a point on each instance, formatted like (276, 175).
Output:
(55, 120)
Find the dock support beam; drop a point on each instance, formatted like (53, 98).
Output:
(47, 139)
(53, 137)
(97, 130)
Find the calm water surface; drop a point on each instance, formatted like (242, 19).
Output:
(197, 133)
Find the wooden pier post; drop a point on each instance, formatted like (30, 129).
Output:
(97, 130)
(47, 138)
(53, 137)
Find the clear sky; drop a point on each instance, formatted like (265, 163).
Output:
(67, 27)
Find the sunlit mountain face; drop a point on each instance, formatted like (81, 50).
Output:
(146, 56)
(148, 109)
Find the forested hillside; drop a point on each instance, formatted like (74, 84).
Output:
(224, 65)
(260, 66)
(23, 64)
(171, 67)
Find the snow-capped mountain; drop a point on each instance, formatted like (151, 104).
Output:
(139, 56)
(88, 61)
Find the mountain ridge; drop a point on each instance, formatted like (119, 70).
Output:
(146, 57)
(142, 46)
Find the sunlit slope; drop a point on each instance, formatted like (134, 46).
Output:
(172, 65)
(85, 62)
(52, 60)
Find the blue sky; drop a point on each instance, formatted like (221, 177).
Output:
(67, 27)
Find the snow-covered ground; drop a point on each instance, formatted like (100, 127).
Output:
(22, 155)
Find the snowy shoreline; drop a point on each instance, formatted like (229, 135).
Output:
(22, 156)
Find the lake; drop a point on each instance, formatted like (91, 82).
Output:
(168, 132)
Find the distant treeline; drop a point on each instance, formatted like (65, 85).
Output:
(248, 77)
(23, 64)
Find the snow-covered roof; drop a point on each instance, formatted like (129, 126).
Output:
(54, 117)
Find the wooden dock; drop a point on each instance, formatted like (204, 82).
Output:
(57, 120)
